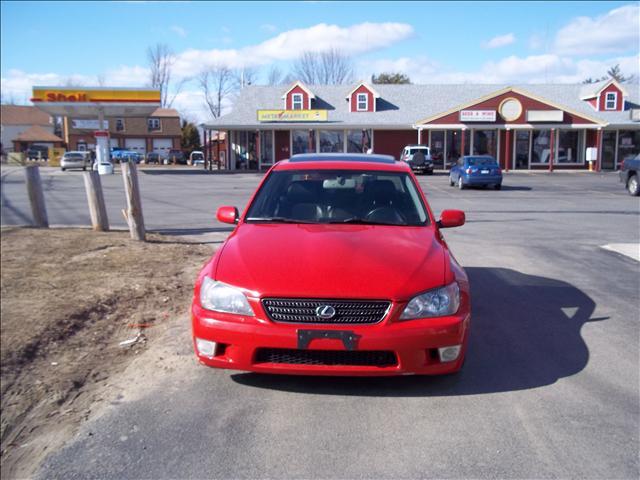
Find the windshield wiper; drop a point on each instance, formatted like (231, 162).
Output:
(276, 220)
(363, 221)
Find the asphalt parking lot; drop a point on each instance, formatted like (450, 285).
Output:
(550, 388)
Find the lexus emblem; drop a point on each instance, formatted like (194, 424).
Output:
(325, 311)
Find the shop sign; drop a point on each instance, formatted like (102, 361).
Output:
(87, 95)
(545, 115)
(293, 115)
(477, 115)
(89, 124)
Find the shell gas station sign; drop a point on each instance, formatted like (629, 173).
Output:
(94, 95)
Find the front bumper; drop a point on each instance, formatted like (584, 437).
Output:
(413, 342)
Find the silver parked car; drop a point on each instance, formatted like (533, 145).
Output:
(75, 160)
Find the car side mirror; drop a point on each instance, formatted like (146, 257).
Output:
(228, 214)
(451, 218)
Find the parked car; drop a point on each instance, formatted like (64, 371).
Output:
(196, 158)
(126, 156)
(337, 267)
(37, 152)
(105, 167)
(75, 159)
(153, 157)
(176, 156)
(476, 170)
(629, 174)
(418, 157)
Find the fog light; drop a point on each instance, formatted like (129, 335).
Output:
(449, 354)
(206, 348)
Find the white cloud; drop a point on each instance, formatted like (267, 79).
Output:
(548, 68)
(269, 28)
(353, 40)
(178, 30)
(617, 31)
(500, 41)
(17, 84)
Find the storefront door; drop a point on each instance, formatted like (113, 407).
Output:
(608, 150)
(521, 149)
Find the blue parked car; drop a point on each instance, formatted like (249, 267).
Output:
(476, 170)
(120, 156)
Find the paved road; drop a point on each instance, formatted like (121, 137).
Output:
(550, 387)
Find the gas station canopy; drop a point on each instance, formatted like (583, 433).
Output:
(82, 102)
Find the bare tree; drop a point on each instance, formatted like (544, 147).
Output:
(160, 59)
(217, 84)
(101, 79)
(275, 76)
(245, 76)
(330, 67)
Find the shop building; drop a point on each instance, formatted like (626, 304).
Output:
(23, 127)
(525, 127)
(158, 132)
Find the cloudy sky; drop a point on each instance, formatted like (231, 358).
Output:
(51, 43)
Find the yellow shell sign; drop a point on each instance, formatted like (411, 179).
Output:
(94, 95)
(292, 115)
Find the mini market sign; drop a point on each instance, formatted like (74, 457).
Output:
(293, 115)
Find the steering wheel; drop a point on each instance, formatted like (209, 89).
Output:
(389, 214)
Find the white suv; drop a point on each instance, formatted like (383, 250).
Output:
(421, 163)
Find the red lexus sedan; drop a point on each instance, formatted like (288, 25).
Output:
(337, 267)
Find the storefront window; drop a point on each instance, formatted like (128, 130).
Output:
(540, 146)
(453, 145)
(266, 148)
(437, 147)
(331, 141)
(485, 142)
(568, 146)
(521, 149)
(628, 144)
(358, 141)
(303, 141)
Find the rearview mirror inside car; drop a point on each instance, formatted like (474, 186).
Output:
(228, 214)
(451, 218)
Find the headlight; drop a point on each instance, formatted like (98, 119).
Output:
(434, 303)
(220, 297)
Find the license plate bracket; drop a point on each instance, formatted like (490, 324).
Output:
(349, 339)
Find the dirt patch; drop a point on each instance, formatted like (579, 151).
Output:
(69, 299)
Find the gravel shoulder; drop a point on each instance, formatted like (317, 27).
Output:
(69, 297)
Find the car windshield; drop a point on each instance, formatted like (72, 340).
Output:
(197, 156)
(413, 151)
(73, 155)
(482, 162)
(338, 196)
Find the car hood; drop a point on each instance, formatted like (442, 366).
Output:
(332, 261)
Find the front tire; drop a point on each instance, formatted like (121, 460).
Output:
(451, 182)
(633, 186)
(497, 186)
(63, 169)
(460, 184)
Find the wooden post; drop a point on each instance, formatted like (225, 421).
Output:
(36, 196)
(133, 213)
(97, 208)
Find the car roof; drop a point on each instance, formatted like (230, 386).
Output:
(487, 157)
(416, 145)
(349, 161)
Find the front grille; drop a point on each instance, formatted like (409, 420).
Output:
(303, 310)
(362, 358)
